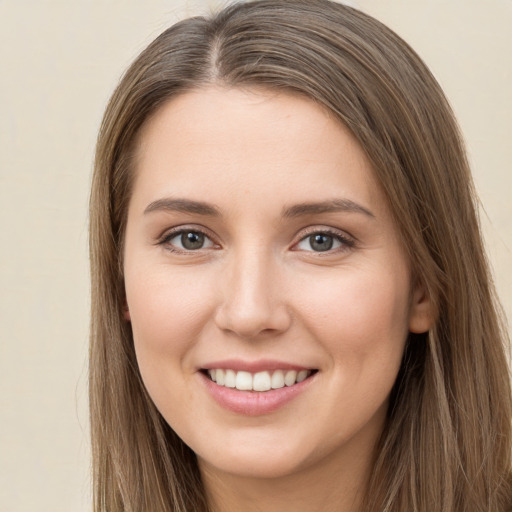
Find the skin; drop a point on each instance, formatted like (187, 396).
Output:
(257, 289)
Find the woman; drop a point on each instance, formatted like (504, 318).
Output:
(291, 305)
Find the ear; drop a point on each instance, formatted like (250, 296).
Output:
(421, 316)
(126, 312)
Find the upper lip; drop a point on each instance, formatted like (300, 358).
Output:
(253, 366)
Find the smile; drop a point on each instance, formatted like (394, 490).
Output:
(253, 389)
(260, 381)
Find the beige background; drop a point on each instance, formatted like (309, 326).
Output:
(59, 61)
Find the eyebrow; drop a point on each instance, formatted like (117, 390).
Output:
(184, 206)
(298, 210)
(331, 206)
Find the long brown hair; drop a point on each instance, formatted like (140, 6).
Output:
(447, 443)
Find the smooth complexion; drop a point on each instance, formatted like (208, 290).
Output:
(257, 237)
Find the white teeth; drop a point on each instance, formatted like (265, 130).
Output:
(243, 381)
(289, 378)
(260, 381)
(302, 375)
(219, 375)
(277, 379)
(230, 379)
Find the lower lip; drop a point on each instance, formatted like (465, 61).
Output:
(254, 403)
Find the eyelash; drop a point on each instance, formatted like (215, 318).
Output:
(168, 236)
(346, 242)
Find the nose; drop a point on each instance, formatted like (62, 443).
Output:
(253, 299)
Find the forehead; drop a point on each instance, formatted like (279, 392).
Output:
(223, 143)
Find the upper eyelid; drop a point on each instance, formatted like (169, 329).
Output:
(172, 232)
(311, 230)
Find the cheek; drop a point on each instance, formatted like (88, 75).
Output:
(360, 322)
(360, 317)
(168, 311)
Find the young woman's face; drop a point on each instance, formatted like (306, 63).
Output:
(260, 251)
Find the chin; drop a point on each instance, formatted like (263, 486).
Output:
(274, 455)
(262, 465)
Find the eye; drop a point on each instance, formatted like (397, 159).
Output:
(187, 240)
(323, 241)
